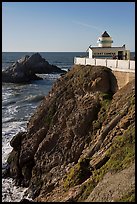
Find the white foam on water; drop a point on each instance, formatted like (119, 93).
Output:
(49, 76)
(8, 131)
(10, 192)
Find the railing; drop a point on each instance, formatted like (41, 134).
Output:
(114, 64)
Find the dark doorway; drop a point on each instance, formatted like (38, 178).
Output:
(120, 55)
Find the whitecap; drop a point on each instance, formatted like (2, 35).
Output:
(10, 192)
(49, 76)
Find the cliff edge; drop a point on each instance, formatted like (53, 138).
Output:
(80, 143)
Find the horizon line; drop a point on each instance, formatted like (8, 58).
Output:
(43, 51)
(48, 51)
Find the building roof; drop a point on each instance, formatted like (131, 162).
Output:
(107, 47)
(105, 34)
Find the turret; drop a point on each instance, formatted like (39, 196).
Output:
(105, 40)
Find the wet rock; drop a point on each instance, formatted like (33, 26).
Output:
(16, 141)
(6, 171)
(24, 200)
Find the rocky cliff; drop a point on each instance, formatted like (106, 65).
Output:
(80, 143)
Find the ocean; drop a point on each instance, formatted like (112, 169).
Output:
(19, 102)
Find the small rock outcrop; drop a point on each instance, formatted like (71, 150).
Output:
(80, 133)
(26, 68)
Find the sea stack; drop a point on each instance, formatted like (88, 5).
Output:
(25, 69)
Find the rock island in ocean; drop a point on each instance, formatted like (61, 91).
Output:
(26, 68)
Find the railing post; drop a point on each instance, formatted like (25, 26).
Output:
(116, 63)
(85, 60)
(128, 64)
(106, 62)
(95, 61)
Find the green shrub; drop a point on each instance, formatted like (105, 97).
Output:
(78, 174)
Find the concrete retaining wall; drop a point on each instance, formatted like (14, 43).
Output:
(123, 77)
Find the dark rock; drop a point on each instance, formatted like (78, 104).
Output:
(6, 171)
(16, 141)
(24, 200)
(26, 68)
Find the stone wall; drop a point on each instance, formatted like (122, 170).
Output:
(123, 77)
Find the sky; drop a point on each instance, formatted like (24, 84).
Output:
(65, 26)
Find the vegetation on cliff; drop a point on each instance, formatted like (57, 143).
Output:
(81, 135)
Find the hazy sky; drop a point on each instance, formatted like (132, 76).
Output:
(65, 26)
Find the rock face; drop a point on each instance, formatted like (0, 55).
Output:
(26, 68)
(80, 133)
(114, 185)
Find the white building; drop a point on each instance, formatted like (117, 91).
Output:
(105, 49)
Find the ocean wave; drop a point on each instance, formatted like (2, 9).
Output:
(49, 76)
(8, 119)
(8, 62)
(36, 98)
(29, 99)
(57, 62)
(7, 103)
(10, 129)
(10, 192)
(12, 107)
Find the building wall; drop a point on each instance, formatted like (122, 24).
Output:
(99, 52)
(90, 53)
